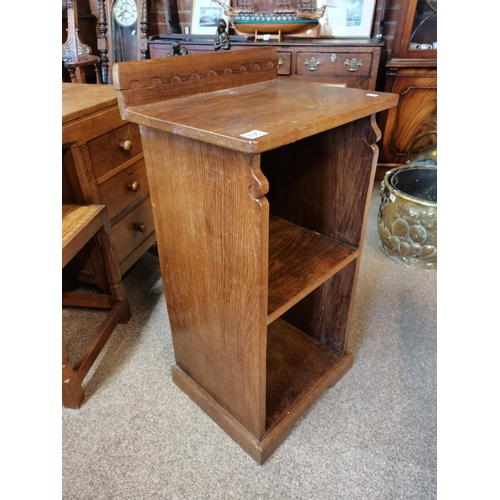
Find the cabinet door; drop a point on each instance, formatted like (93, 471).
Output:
(415, 113)
(416, 33)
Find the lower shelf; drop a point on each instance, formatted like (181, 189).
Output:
(299, 370)
(296, 363)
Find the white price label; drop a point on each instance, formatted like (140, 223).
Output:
(253, 134)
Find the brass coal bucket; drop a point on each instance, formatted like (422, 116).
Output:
(407, 218)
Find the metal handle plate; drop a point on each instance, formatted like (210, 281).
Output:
(353, 64)
(312, 64)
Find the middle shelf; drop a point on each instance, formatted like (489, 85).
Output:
(300, 260)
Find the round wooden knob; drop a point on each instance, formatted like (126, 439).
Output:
(134, 186)
(126, 145)
(140, 227)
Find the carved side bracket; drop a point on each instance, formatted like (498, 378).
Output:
(260, 188)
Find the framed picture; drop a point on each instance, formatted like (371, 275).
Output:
(205, 16)
(347, 18)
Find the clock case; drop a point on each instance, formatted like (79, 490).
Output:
(117, 43)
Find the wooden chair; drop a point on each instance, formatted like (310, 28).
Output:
(77, 55)
(80, 224)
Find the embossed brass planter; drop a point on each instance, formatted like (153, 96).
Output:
(407, 218)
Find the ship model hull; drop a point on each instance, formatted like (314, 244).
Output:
(270, 25)
(247, 20)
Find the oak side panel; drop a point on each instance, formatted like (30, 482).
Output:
(325, 313)
(212, 221)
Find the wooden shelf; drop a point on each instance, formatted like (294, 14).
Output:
(299, 261)
(295, 364)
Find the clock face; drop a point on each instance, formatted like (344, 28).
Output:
(125, 12)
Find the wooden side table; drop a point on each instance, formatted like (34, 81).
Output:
(260, 191)
(103, 163)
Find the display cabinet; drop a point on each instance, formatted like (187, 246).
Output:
(411, 72)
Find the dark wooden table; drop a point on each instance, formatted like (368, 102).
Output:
(260, 191)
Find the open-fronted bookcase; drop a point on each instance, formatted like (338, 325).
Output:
(260, 190)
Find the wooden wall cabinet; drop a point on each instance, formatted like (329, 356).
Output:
(103, 163)
(261, 189)
(353, 63)
(412, 73)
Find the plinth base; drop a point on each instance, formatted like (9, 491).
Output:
(261, 449)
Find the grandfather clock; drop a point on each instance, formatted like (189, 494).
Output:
(122, 32)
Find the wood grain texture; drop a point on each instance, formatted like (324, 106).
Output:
(295, 363)
(120, 192)
(299, 261)
(203, 107)
(261, 449)
(286, 111)
(229, 268)
(81, 225)
(82, 100)
(322, 183)
(107, 151)
(415, 113)
(324, 314)
(157, 80)
(212, 221)
(100, 153)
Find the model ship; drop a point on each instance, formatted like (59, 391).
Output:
(246, 19)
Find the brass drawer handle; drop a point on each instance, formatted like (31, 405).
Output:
(353, 65)
(140, 227)
(280, 62)
(126, 146)
(312, 64)
(134, 186)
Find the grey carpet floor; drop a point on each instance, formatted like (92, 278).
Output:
(372, 436)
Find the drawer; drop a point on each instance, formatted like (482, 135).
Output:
(124, 188)
(334, 63)
(284, 63)
(127, 234)
(110, 150)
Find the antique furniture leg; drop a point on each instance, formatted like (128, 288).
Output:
(80, 224)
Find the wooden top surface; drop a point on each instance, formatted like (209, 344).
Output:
(80, 99)
(286, 111)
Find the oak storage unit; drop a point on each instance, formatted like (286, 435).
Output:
(259, 236)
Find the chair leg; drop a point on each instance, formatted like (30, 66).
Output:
(117, 301)
(72, 391)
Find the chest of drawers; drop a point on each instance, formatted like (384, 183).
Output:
(103, 163)
(350, 63)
